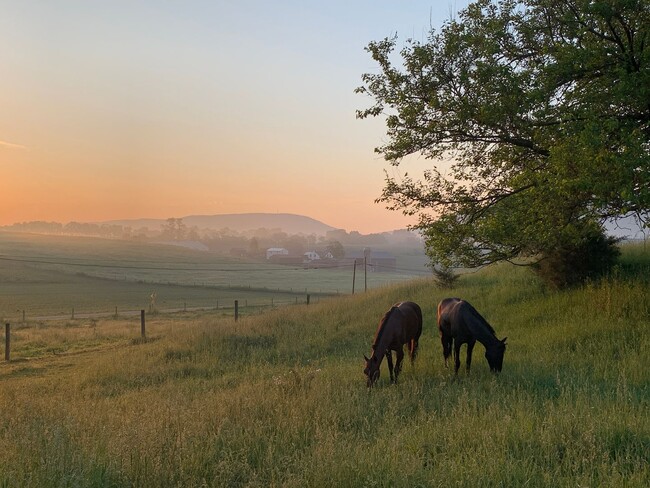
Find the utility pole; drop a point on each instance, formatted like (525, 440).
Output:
(366, 253)
(354, 274)
(365, 274)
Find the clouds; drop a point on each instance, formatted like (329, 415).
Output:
(11, 145)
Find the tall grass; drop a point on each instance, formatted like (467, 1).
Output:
(280, 399)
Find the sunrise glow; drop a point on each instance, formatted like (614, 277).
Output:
(157, 110)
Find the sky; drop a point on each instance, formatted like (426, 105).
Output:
(156, 109)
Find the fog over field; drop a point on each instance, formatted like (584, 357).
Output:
(52, 274)
(289, 223)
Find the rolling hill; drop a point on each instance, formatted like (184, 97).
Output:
(289, 223)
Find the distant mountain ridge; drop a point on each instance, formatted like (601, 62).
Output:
(289, 223)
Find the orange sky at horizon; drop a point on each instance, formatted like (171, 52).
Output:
(30, 192)
(154, 110)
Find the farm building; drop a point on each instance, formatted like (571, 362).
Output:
(377, 260)
(311, 256)
(276, 251)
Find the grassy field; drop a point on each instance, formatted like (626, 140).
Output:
(50, 275)
(279, 399)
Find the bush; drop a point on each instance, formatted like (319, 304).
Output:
(589, 257)
(445, 277)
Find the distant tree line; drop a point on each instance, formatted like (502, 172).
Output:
(73, 228)
(252, 243)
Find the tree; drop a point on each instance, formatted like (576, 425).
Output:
(336, 249)
(295, 244)
(253, 247)
(174, 228)
(542, 108)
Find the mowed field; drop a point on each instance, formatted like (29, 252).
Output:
(279, 399)
(50, 275)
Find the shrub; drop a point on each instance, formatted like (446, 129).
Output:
(444, 277)
(588, 257)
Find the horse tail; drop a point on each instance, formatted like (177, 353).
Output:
(447, 302)
(445, 338)
(413, 349)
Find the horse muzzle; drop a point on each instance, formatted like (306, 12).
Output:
(372, 379)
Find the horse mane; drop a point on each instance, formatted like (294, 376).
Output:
(481, 319)
(380, 328)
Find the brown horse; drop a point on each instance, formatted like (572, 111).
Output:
(459, 323)
(402, 324)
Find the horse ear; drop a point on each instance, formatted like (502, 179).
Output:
(503, 341)
(364, 357)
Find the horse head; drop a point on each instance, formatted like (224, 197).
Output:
(494, 355)
(371, 370)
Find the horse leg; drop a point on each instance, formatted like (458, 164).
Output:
(470, 348)
(446, 349)
(456, 356)
(389, 359)
(398, 366)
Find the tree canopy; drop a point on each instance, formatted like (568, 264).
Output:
(543, 109)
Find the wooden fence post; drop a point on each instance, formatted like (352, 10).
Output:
(236, 310)
(365, 273)
(7, 341)
(142, 325)
(23, 316)
(72, 313)
(308, 299)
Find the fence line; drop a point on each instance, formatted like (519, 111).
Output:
(236, 308)
(140, 312)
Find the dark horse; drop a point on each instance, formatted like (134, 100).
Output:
(402, 324)
(460, 323)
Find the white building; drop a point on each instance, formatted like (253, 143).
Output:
(311, 256)
(276, 251)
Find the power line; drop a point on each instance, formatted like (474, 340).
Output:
(394, 268)
(163, 268)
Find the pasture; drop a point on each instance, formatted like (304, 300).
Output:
(279, 399)
(51, 275)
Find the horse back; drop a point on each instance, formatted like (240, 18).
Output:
(412, 324)
(459, 319)
(453, 315)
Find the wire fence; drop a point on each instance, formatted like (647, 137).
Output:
(195, 286)
(235, 309)
(223, 307)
